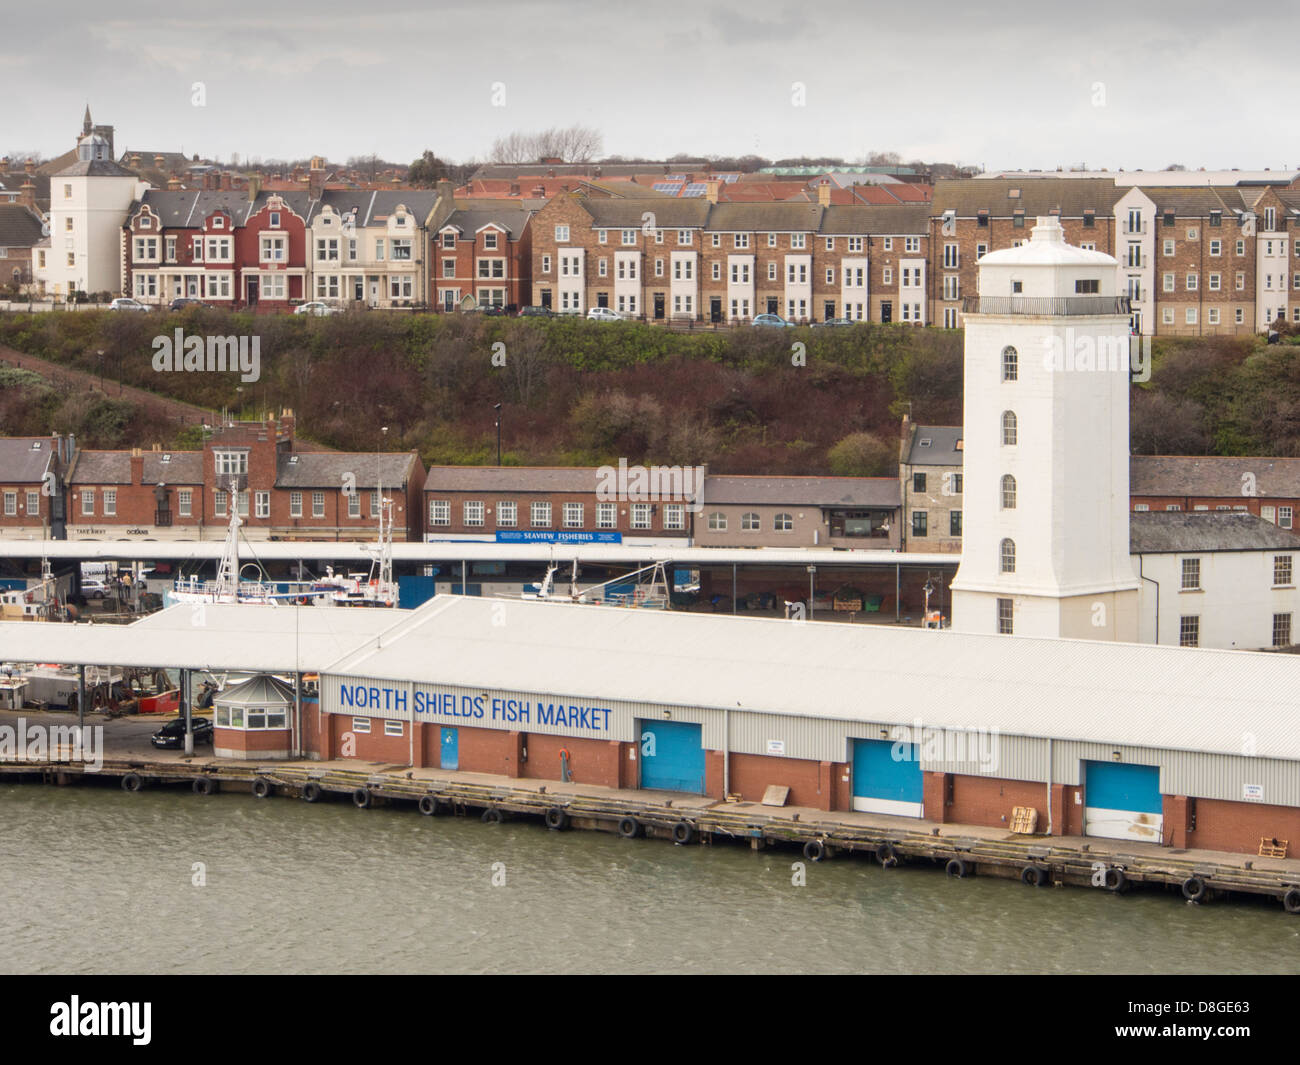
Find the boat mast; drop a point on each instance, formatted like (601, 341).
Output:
(228, 571)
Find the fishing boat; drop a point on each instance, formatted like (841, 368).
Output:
(40, 602)
(629, 590)
(234, 585)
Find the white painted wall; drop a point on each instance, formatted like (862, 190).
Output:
(1236, 604)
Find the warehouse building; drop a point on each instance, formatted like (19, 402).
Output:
(1186, 747)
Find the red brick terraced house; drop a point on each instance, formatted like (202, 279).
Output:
(280, 493)
(31, 503)
(222, 247)
(542, 504)
(482, 256)
(1267, 487)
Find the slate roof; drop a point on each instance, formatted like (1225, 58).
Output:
(780, 217)
(513, 219)
(852, 221)
(19, 228)
(517, 479)
(100, 467)
(802, 491)
(1195, 202)
(96, 168)
(1037, 196)
(626, 214)
(20, 464)
(1180, 532)
(184, 467)
(326, 469)
(942, 449)
(1213, 475)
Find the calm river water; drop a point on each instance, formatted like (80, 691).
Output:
(95, 880)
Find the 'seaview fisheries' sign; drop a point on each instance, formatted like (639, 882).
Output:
(553, 536)
(468, 709)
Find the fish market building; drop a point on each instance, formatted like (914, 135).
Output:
(1182, 746)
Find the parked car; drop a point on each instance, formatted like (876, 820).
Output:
(94, 589)
(317, 307)
(181, 302)
(603, 314)
(172, 734)
(835, 321)
(126, 303)
(535, 312)
(771, 320)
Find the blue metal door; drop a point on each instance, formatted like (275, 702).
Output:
(672, 756)
(1122, 801)
(414, 591)
(887, 778)
(450, 749)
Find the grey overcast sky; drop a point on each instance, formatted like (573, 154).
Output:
(1022, 84)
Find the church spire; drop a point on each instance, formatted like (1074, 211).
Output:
(86, 126)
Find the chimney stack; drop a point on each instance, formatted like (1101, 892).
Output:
(137, 466)
(254, 186)
(316, 179)
(27, 196)
(711, 190)
(824, 194)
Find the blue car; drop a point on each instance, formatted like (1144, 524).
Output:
(771, 319)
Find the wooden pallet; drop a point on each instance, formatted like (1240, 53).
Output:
(1024, 820)
(1272, 848)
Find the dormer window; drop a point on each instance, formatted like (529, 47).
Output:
(489, 241)
(449, 239)
(275, 220)
(218, 222)
(146, 222)
(1018, 220)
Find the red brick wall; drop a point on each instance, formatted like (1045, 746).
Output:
(985, 801)
(260, 740)
(1238, 826)
(590, 761)
(811, 784)
(371, 747)
(484, 750)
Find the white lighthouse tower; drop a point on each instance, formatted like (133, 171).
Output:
(1045, 547)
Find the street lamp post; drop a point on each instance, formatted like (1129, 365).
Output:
(100, 353)
(812, 576)
(497, 408)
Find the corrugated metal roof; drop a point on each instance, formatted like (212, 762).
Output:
(261, 690)
(213, 636)
(1140, 695)
(1177, 532)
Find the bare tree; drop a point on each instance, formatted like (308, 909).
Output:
(572, 144)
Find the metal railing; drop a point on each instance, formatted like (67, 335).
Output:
(1047, 305)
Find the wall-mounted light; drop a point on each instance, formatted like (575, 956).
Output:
(884, 732)
(667, 714)
(1116, 756)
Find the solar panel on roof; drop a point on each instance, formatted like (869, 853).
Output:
(675, 177)
(695, 188)
(670, 187)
